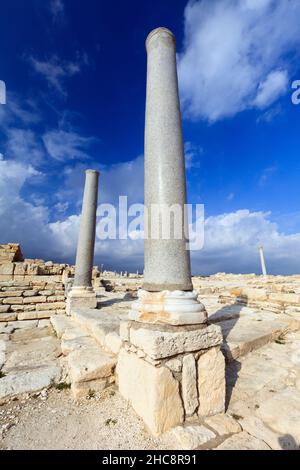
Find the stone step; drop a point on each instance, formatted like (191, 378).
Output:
(90, 369)
(245, 330)
(102, 326)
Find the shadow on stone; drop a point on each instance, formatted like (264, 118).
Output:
(287, 442)
(233, 366)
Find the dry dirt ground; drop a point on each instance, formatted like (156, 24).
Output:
(55, 421)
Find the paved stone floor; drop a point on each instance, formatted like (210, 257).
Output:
(263, 390)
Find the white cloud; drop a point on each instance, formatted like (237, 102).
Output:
(66, 145)
(230, 244)
(234, 55)
(56, 8)
(192, 153)
(268, 91)
(24, 145)
(56, 71)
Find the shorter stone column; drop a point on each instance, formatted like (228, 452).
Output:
(82, 293)
(262, 261)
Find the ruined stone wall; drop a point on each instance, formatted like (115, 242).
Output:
(30, 300)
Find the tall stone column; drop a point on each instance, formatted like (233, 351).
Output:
(262, 261)
(82, 293)
(167, 289)
(170, 367)
(167, 262)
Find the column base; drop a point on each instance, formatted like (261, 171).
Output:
(171, 374)
(168, 307)
(81, 297)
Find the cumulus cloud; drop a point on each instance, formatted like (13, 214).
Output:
(230, 243)
(235, 55)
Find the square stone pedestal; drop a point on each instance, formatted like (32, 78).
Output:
(171, 373)
(79, 297)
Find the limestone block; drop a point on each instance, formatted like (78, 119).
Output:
(27, 381)
(51, 306)
(161, 344)
(211, 383)
(7, 316)
(189, 384)
(243, 441)
(7, 269)
(90, 364)
(113, 342)
(258, 429)
(152, 391)
(17, 308)
(4, 308)
(174, 364)
(35, 315)
(191, 437)
(46, 292)
(223, 424)
(124, 330)
(60, 323)
(38, 299)
(16, 293)
(20, 269)
(30, 293)
(13, 300)
(29, 308)
(82, 389)
(75, 344)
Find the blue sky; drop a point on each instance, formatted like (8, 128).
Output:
(75, 77)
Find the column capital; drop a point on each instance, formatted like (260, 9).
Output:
(160, 32)
(92, 171)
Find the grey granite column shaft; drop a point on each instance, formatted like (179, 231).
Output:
(86, 240)
(167, 262)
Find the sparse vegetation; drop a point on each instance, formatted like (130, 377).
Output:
(62, 386)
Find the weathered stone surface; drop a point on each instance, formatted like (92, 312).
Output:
(83, 389)
(17, 308)
(15, 293)
(52, 306)
(211, 382)
(191, 437)
(174, 364)
(282, 412)
(38, 299)
(189, 384)
(13, 300)
(152, 391)
(23, 324)
(90, 364)
(223, 424)
(70, 345)
(160, 344)
(28, 381)
(113, 342)
(258, 429)
(35, 314)
(8, 316)
(30, 293)
(243, 441)
(4, 308)
(60, 323)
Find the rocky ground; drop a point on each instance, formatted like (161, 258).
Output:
(263, 390)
